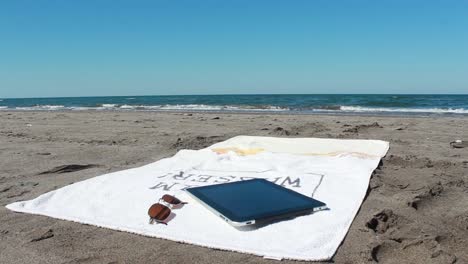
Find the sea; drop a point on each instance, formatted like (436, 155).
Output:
(389, 104)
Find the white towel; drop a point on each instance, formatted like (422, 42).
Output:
(336, 172)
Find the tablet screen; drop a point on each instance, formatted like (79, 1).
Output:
(253, 199)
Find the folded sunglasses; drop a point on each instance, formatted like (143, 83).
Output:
(159, 212)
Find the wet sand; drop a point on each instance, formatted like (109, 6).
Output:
(415, 212)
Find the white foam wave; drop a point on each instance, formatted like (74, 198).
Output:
(202, 107)
(240, 108)
(43, 107)
(127, 107)
(108, 105)
(404, 110)
(167, 107)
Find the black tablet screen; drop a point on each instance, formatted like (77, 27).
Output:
(253, 199)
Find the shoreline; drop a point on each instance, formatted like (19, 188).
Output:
(415, 210)
(241, 112)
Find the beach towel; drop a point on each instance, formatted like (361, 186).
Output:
(334, 171)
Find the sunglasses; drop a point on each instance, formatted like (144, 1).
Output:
(159, 212)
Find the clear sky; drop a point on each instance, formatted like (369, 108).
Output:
(85, 48)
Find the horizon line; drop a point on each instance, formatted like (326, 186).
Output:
(227, 94)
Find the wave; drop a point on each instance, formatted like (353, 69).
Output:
(203, 107)
(404, 110)
(42, 107)
(242, 108)
(109, 105)
(166, 107)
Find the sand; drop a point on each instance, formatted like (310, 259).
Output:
(415, 212)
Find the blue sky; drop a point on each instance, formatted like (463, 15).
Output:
(86, 48)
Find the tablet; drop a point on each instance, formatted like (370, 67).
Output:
(247, 202)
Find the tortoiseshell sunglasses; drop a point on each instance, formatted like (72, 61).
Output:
(159, 212)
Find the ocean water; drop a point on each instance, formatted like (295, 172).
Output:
(322, 103)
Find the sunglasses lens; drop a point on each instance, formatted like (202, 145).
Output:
(159, 212)
(171, 199)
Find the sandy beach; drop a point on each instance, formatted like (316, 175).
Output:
(415, 211)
